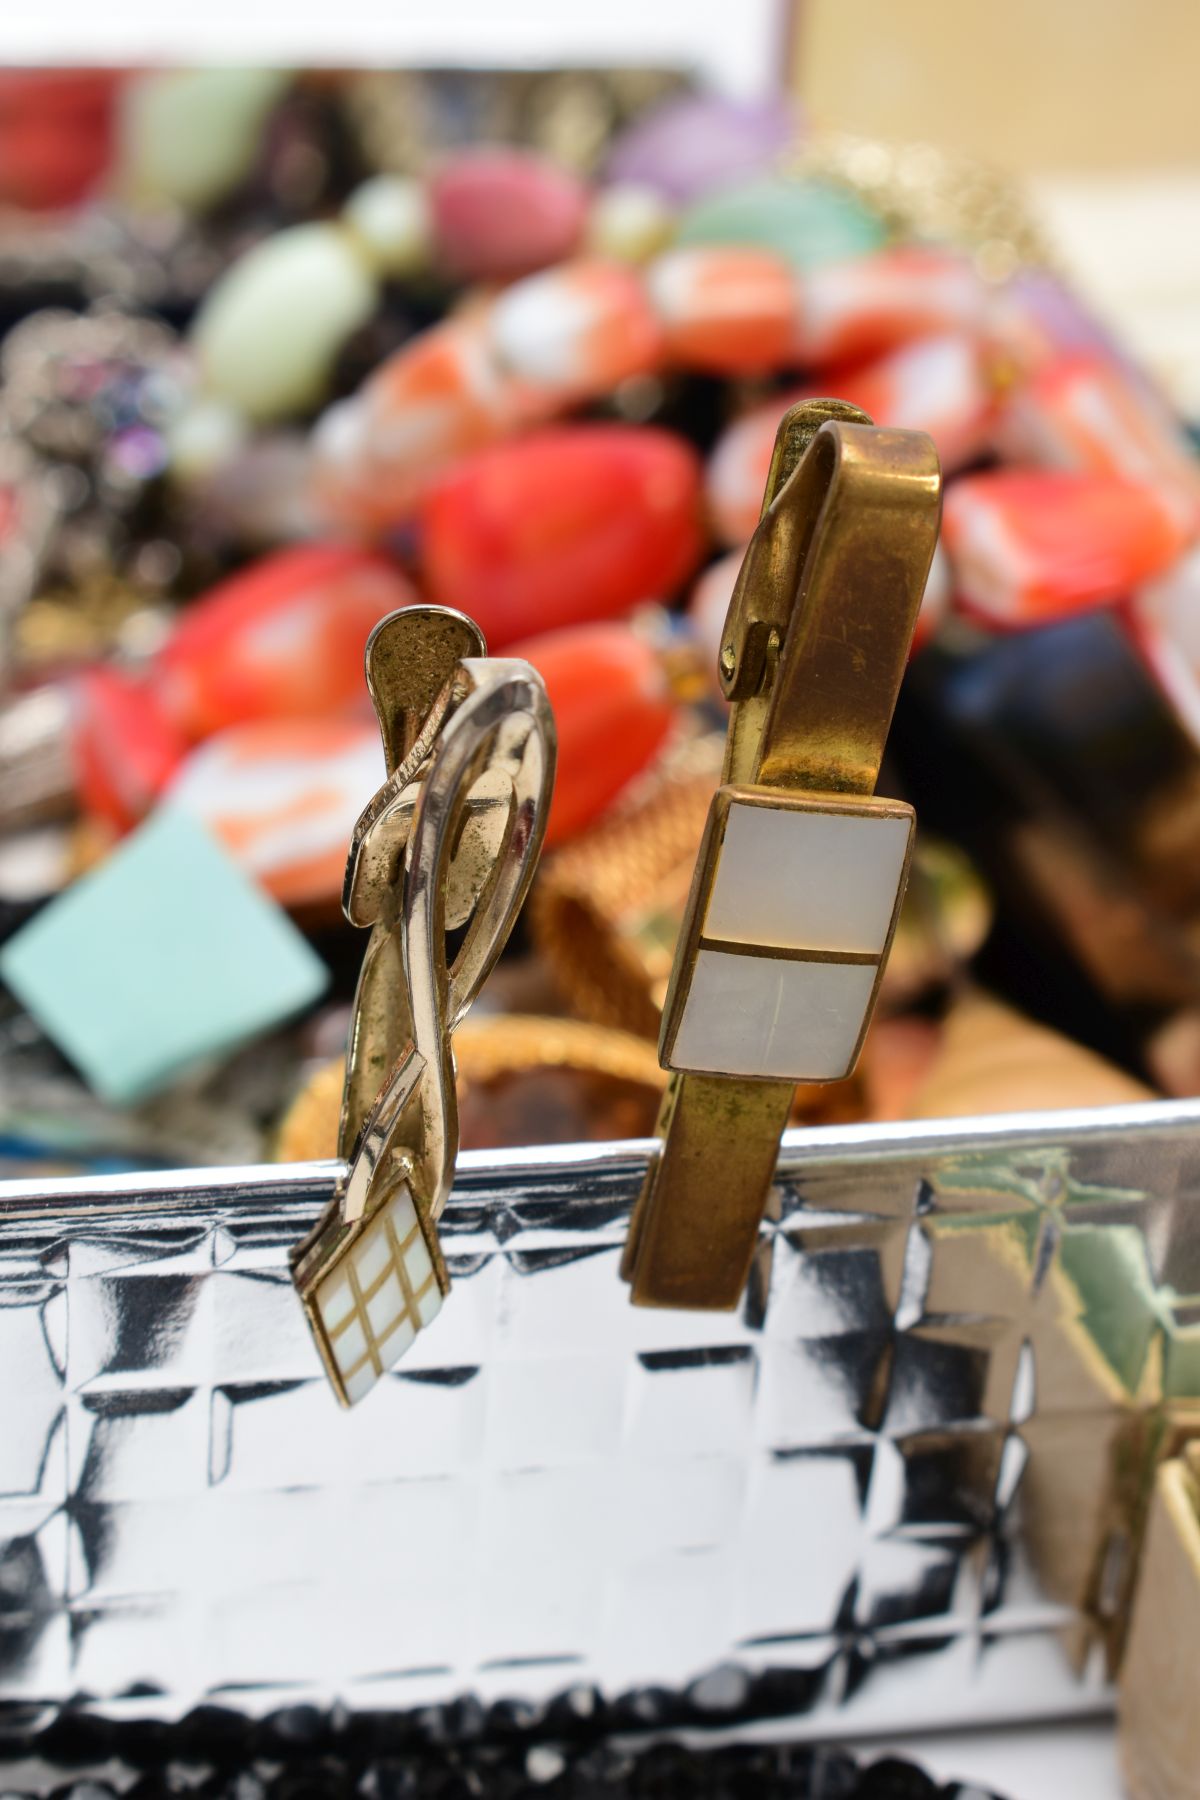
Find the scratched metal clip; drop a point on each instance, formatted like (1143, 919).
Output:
(448, 845)
(800, 873)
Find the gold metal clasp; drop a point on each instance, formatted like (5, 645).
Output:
(800, 874)
(440, 863)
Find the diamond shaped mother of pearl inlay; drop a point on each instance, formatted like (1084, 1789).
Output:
(379, 1293)
(786, 934)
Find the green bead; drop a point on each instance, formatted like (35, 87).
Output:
(190, 135)
(271, 328)
(809, 222)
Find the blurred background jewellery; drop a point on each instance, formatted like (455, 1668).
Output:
(439, 865)
(800, 872)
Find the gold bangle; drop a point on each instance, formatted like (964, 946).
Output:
(605, 910)
(487, 1050)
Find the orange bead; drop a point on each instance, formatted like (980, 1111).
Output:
(283, 795)
(1084, 411)
(1027, 546)
(575, 332)
(612, 709)
(282, 638)
(438, 397)
(730, 309)
(862, 308)
(570, 524)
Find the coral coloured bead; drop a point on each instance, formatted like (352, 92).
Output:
(613, 711)
(732, 311)
(1031, 546)
(283, 637)
(862, 308)
(575, 332)
(499, 213)
(437, 398)
(572, 523)
(1085, 411)
(282, 795)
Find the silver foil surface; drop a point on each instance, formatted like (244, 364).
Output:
(883, 1488)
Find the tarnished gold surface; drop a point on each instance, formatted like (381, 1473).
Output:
(449, 843)
(812, 656)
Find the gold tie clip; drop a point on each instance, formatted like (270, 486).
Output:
(800, 873)
(440, 863)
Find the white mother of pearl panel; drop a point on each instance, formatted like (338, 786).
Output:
(772, 1017)
(380, 1293)
(810, 880)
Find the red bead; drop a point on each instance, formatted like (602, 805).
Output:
(281, 639)
(125, 748)
(501, 213)
(1028, 546)
(56, 131)
(612, 709)
(576, 523)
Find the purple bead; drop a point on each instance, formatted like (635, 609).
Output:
(690, 146)
(1060, 314)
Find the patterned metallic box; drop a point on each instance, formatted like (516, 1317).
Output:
(900, 1486)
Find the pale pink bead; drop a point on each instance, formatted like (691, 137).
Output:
(1084, 411)
(1164, 616)
(575, 332)
(737, 469)
(708, 606)
(861, 308)
(498, 213)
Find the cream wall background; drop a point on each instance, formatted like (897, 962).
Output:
(1096, 103)
(1035, 84)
